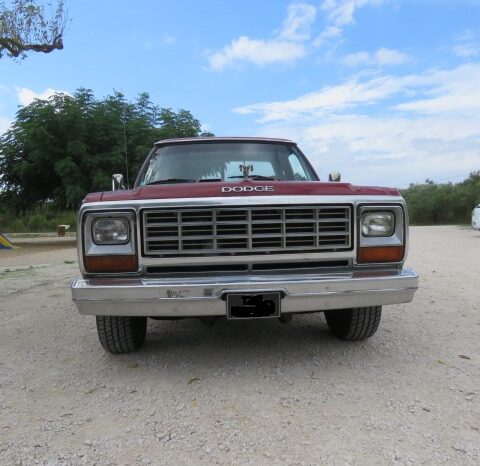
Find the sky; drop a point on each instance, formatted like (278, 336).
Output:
(387, 92)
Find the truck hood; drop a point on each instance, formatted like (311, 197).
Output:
(221, 189)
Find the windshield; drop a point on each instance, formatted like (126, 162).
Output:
(233, 161)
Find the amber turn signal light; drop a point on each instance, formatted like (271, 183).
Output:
(110, 264)
(381, 254)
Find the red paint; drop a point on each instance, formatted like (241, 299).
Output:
(214, 189)
(92, 197)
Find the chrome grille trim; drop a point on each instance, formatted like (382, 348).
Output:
(241, 230)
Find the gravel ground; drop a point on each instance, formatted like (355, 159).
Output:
(248, 392)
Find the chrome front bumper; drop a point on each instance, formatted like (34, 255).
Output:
(196, 297)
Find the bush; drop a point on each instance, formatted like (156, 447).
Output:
(430, 203)
(39, 220)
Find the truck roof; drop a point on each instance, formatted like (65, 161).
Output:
(201, 139)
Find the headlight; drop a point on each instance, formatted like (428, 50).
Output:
(378, 224)
(110, 231)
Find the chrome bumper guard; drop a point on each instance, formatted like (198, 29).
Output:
(196, 297)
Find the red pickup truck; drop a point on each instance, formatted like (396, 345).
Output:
(239, 228)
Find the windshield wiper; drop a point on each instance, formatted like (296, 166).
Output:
(171, 180)
(207, 180)
(255, 177)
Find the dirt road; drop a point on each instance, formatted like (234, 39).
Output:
(248, 392)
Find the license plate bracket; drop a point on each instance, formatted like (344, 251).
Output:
(253, 305)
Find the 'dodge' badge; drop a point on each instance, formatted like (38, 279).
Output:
(247, 189)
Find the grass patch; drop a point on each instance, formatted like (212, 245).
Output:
(17, 273)
(40, 219)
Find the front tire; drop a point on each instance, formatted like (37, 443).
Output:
(354, 324)
(121, 334)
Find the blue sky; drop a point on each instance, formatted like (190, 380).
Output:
(385, 91)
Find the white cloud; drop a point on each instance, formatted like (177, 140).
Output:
(466, 50)
(382, 57)
(380, 150)
(433, 132)
(358, 58)
(340, 13)
(4, 124)
(454, 92)
(286, 47)
(386, 56)
(330, 32)
(293, 40)
(299, 21)
(168, 39)
(327, 100)
(442, 87)
(466, 45)
(27, 96)
(259, 52)
(4, 120)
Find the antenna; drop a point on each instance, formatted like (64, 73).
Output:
(125, 150)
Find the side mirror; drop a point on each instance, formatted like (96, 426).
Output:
(334, 176)
(117, 182)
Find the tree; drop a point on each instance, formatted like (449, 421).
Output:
(25, 26)
(59, 149)
(432, 203)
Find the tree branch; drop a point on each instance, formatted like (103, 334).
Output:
(16, 48)
(25, 28)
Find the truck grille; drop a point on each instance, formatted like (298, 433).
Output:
(246, 230)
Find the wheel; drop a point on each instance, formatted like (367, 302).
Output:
(354, 324)
(208, 321)
(121, 334)
(285, 318)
